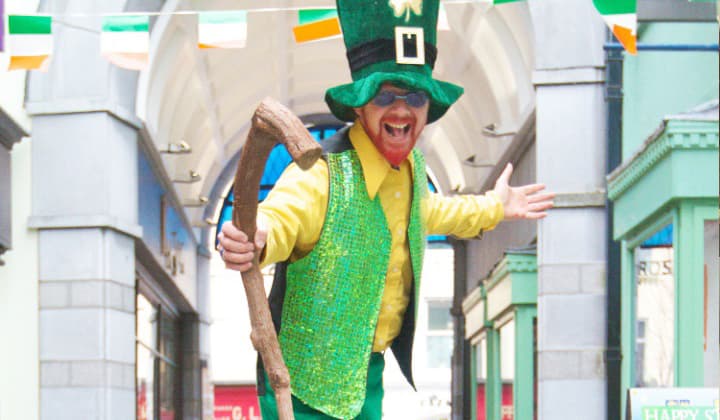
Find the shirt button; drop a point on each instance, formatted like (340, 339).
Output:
(381, 342)
(400, 231)
(388, 307)
(395, 269)
(398, 194)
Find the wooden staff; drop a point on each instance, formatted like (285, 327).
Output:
(272, 123)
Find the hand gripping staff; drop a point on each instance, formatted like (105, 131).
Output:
(271, 123)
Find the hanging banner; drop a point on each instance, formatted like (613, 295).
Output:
(621, 17)
(30, 42)
(125, 40)
(222, 29)
(315, 24)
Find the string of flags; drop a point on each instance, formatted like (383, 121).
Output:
(125, 38)
(621, 17)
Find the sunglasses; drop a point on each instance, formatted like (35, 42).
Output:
(414, 99)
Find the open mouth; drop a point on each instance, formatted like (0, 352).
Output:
(396, 130)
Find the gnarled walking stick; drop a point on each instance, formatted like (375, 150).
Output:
(271, 123)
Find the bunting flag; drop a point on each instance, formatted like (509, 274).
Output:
(222, 29)
(30, 42)
(316, 24)
(125, 40)
(621, 17)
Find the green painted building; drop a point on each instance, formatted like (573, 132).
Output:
(501, 318)
(665, 196)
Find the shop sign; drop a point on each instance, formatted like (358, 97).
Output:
(236, 403)
(654, 264)
(673, 404)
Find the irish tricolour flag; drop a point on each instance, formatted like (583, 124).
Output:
(222, 29)
(125, 40)
(621, 17)
(30, 42)
(315, 24)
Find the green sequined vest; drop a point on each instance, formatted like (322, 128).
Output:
(333, 294)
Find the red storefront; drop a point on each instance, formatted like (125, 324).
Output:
(236, 402)
(507, 402)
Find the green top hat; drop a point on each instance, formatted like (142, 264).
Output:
(390, 41)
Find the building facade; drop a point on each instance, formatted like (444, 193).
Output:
(110, 280)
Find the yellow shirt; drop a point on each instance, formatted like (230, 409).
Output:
(294, 213)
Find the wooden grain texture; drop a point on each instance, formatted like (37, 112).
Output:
(272, 123)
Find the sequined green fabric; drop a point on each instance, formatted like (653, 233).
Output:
(334, 294)
(416, 227)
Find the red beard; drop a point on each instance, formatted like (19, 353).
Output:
(394, 138)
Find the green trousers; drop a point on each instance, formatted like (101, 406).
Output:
(371, 410)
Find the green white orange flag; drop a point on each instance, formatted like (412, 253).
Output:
(125, 40)
(621, 17)
(314, 24)
(30, 42)
(222, 29)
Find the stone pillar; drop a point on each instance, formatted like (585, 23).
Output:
(85, 208)
(571, 150)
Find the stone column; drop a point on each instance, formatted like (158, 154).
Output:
(571, 151)
(85, 208)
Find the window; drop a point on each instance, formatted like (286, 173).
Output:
(481, 378)
(481, 361)
(640, 351)
(156, 378)
(507, 368)
(145, 369)
(655, 307)
(439, 337)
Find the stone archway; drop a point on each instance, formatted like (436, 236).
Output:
(206, 97)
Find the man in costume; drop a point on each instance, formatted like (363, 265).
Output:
(349, 233)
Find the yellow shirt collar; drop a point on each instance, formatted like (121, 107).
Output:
(375, 166)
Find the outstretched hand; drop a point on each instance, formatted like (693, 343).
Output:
(525, 202)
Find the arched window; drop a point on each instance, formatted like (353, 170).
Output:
(278, 160)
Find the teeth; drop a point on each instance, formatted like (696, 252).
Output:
(398, 126)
